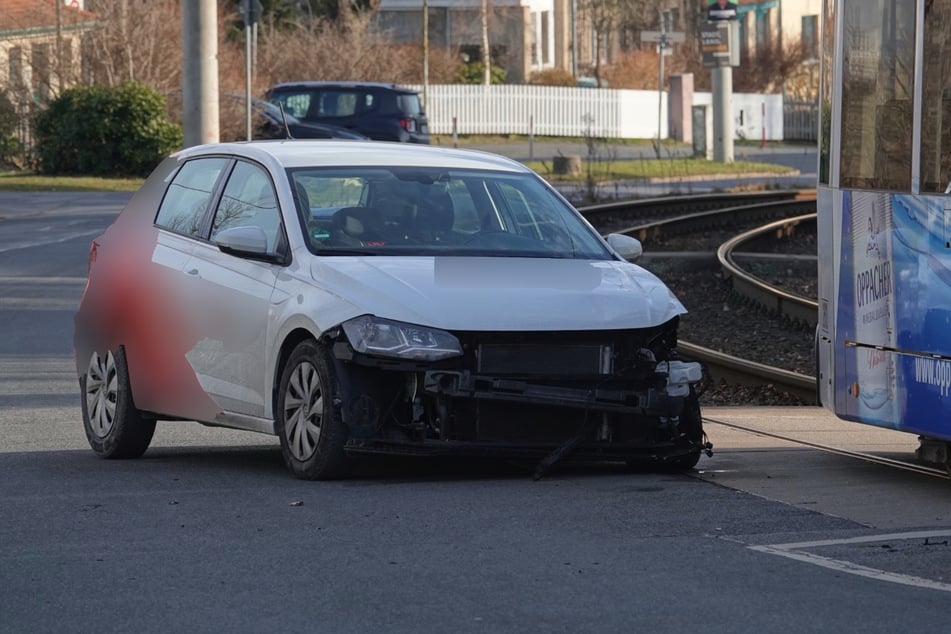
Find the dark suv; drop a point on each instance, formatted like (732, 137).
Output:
(385, 112)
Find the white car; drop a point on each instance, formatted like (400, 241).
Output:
(361, 297)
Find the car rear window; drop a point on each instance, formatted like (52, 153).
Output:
(409, 103)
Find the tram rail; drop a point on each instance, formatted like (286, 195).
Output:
(943, 471)
(695, 214)
(789, 305)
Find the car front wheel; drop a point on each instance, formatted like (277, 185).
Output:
(114, 427)
(307, 416)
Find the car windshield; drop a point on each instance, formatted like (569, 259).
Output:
(437, 211)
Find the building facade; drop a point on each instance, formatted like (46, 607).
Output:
(40, 47)
(522, 33)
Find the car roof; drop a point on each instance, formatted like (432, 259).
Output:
(309, 153)
(341, 84)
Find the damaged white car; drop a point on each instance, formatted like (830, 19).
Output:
(358, 298)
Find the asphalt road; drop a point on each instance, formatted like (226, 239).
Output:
(209, 533)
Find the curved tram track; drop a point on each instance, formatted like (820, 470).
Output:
(660, 219)
(670, 219)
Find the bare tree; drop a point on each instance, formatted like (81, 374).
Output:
(136, 40)
(606, 18)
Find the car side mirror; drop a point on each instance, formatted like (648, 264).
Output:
(249, 242)
(627, 247)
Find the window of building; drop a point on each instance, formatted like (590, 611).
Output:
(877, 91)
(546, 21)
(40, 77)
(15, 69)
(810, 36)
(534, 35)
(762, 32)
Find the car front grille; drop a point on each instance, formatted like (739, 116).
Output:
(540, 360)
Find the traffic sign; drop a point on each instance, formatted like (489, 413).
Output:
(667, 37)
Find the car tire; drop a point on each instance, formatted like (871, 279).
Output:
(307, 415)
(690, 425)
(114, 427)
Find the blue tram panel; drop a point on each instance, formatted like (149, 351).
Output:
(884, 335)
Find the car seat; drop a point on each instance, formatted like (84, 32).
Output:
(358, 225)
(435, 216)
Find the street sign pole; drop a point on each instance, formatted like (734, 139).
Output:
(250, 11)
(665, 40)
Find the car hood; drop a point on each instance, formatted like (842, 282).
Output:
(500, 294)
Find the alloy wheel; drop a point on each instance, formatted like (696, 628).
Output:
(303, 411)
(102, 389)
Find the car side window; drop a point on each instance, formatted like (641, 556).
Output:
(296, 104)
(248, 200)
(189, 195)
(336, 103)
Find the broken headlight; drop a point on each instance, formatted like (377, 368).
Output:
(382, 337)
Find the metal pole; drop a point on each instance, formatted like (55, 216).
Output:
(200, 71)
(660, 77)
(247, 79)
(531, 137)
(425, 53)
(722, 77)
(574, 39)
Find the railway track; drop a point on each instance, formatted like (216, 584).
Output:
(788, 305)
(657, 220)
(672, 217)
(939, 471)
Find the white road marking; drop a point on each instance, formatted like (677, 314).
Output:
(12, 279)
(40, 243)
(794, 551)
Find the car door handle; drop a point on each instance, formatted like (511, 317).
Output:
(192, 273)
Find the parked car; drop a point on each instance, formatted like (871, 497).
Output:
(383, 112)
(271, 123)
(353, 297)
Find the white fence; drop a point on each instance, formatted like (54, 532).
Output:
(578, 112)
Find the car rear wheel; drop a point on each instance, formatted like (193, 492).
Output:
(307, 417)
(114, 427)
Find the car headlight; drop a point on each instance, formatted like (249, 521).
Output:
(382, 337)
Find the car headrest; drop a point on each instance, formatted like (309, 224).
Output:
(358, 221)
(435, 212)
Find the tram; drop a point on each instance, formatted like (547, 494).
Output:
(883, 340)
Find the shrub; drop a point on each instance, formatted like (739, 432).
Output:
(474, 73)
(552, 77)
(91, 130)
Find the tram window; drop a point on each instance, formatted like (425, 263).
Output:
(936, 99)
(877, 91)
